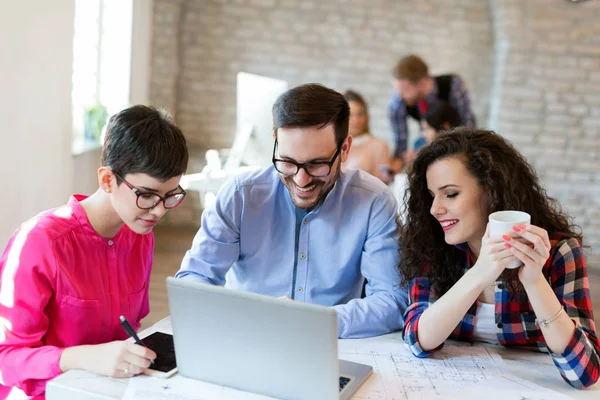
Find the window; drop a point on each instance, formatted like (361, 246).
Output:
(101, 66)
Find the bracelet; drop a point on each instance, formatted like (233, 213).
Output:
(545, 322)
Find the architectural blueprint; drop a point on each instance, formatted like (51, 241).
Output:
(459, 370)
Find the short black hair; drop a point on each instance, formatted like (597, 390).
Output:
(143, 139)
(312, 104)
(440, 113)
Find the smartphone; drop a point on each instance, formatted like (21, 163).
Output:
(165, 364)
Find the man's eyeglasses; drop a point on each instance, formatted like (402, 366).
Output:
(147, 201)
(314, 169)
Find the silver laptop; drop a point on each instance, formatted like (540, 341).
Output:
(260, 344)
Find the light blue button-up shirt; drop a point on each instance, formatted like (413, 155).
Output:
(254, 239)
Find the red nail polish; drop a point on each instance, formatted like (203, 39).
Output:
(508, 246)
(523, 227)
(516, 228)
(506, 237)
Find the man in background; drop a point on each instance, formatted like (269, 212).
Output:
(415, 90)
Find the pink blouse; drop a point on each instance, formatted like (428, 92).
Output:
(64, 285)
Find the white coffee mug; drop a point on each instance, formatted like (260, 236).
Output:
(502, 222)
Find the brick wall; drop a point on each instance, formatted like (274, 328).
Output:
(546, 99)
(532, 69)
(200, 45)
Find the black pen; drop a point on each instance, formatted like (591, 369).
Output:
(131, 332)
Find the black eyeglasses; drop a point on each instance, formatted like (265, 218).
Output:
(147, 201)
(314, 169)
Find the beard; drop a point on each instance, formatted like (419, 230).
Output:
(312, 194)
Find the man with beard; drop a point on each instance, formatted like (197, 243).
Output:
(302, 228)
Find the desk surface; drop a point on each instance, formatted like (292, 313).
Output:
(535, 368)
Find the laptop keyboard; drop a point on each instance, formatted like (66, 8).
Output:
(343, 382)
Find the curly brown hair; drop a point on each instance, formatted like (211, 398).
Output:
(503, 174)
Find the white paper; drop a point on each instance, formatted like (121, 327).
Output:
(500, 388)
(459, 370)
(180, 388)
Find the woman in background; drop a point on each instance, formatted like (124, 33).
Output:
(368, 153)
(440, 116)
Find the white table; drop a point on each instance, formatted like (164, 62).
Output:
(532, 367)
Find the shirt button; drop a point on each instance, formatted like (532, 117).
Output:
(110, 242)
(306, 220)
(501, 286)
(500, 325)
(299, 289)
(303, 256)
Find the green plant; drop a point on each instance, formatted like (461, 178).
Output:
(94, 120)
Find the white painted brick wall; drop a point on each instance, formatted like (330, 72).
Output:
(553, 60)
(200, 45)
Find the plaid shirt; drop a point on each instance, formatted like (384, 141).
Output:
(516, 324)
(458, 98)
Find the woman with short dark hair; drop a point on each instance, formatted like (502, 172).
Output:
(68, 274)
(440, 116)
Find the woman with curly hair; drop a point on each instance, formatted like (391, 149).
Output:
(456, 274)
